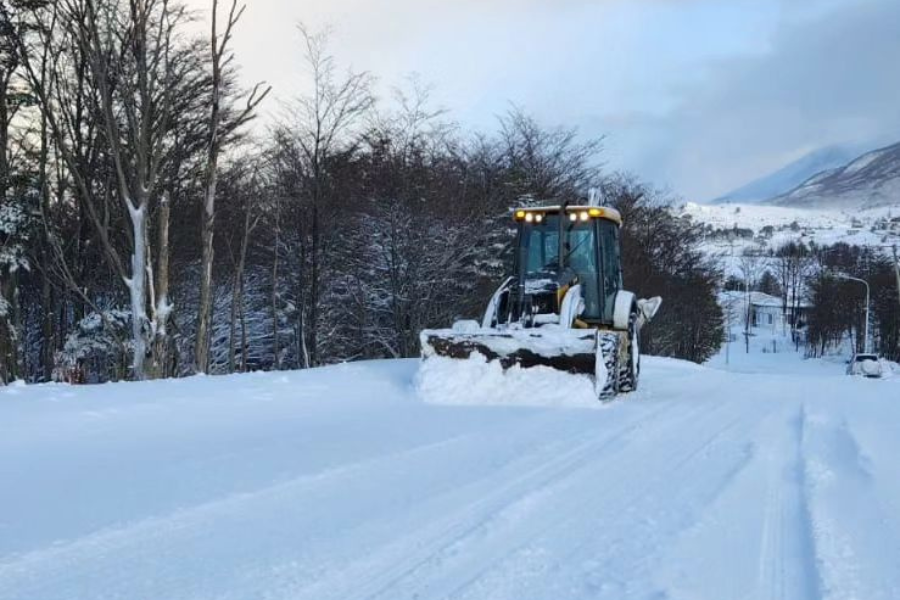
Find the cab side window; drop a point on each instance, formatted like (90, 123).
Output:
(583, 260)
(612, 272)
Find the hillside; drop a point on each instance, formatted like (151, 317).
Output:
(870, 181)
(341, 483)
(789, 177)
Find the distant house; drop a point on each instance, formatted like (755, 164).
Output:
(765, 311)
(769, 311)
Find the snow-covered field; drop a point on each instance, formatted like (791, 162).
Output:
(822, 226)
(340, 483)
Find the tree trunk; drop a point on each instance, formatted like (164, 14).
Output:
(238, 294)
(48, 343)
(897, 270)
(162, 309)
(137, 289)
(201, 356)
(208, 225)
(276, 360)
(48, 299)
(232, 324)
(243, 318)
(6, 338)
(7, 330)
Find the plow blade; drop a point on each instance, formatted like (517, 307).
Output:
(527, 351)
(579, 352)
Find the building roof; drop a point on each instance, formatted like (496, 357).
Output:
(760, 300)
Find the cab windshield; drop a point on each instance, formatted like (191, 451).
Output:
(541, 244)
(540, 249)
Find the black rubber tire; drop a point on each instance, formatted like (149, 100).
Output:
(630, 370)
(608, 348)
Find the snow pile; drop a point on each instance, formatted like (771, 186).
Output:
(477, 381)
(890, 368)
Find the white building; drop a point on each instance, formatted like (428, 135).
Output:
(766, 312)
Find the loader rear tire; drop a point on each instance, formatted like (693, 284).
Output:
(630, 369)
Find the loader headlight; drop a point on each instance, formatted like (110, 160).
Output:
(573, 217)
(584, 216)
(520, 214)
(529, 218)
(538, 218)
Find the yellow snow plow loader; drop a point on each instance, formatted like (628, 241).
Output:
(563, 308)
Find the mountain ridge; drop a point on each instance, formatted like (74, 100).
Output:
(871, 180)
(794, 174)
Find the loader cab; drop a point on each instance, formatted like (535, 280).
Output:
(561, 247)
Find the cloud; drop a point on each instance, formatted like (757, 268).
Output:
(828, 78)
(702, 95)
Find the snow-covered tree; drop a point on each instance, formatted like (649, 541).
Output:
(97, 350)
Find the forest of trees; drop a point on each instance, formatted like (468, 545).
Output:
(838, 305)
(816, 277)
(148, 230)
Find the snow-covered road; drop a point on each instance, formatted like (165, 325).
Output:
(340, 484)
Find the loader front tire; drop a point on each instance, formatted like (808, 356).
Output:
(630, 369)
(606, 377)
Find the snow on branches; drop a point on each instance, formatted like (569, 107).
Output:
(15, 224)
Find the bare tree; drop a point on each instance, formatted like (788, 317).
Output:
(323, 122)
(11, 217)
(219, 130)
(133, 72)
(250, 216)
(794, 264)
(548, 163)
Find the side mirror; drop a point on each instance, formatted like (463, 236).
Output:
(649, 308)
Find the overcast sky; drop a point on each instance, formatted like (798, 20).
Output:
(697, 95)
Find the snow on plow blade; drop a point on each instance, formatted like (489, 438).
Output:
(571, 351)
(517, 352)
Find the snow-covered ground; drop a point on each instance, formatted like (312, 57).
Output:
(875, 227)
(340, 483)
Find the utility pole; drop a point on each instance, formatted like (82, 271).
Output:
(868, 301)
(897, 270)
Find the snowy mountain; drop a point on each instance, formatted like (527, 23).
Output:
(870, 181)
(789, 177)
(341, 483)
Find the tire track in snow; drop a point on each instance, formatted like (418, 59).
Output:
(787, 569)
(757, 521)
(594, 555)
(561, 511)
(508, 501)
(882, 447)
(79, 554)
(91, 558)
(854, 543)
